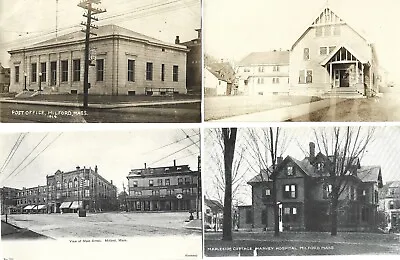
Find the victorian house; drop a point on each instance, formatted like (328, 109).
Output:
(304, 196)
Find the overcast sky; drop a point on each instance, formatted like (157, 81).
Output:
(115, 153)
(34, 19)
(234, 29)
(383, 151)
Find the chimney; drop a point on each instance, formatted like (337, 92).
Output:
(174, 163)
(198, 33)
(279, 159)
(77, 167)
(145, 165)
(111, 182)
(177, 41)
(312, 150)
(95, 169)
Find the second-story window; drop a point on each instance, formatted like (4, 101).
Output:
(160, 182)
(261, 69)
(306, 54)
(180, 181)
(187, 180)
(275, 68)
(327, 189)
(290, 171)
(151, 183)
(167, 182)
(289, 191)
(267, 192)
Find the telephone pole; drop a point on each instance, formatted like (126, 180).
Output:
(90, 11)
(126, 204)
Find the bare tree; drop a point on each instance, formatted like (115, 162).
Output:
(344, 148)
(266, 145)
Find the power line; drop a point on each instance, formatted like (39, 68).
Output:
(11, 155)
(169, 144)
(26, 157)
(187, 136)
(38, 154)
(173, 153)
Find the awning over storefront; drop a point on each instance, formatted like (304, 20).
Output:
(41, 207)
(76, 205)
(29, 207)
(65, 205)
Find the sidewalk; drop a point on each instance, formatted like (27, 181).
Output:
(284, 113)
(9, 231)
(99, 105)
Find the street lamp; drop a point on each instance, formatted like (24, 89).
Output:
(40, 81)
(25, 75)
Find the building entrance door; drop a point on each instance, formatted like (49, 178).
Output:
(344, 79)
(280, 216)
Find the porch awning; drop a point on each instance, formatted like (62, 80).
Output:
(76, 205)
(65, 205)
(29, 207)
(337, 49)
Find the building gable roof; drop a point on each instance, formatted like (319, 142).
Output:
(370, 174)
(103, 31)
(266, 58)
(214, 205)
(222, 71)
(336, 50)
(325, 12)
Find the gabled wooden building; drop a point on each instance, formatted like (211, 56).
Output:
(330, 56)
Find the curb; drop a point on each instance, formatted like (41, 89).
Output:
(284, 113)
(102, 106)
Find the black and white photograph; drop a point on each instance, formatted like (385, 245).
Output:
(95, 61)
(103, 188)
(301, 61)
(293, 191)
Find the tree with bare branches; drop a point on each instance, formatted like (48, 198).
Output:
(266, 145)
(344, 147)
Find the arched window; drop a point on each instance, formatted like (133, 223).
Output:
(58, 185)
(76, 182)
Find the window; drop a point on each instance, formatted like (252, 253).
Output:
(167, 182)
(302, 78)
(326, 192)
(320, 166)
(261, 69)
(275, 80)
(260, 80)
(180, 181)
(58, 185)
(43, 71)
(331, 48)
(249, 216)
(336, 30)
(76, 182)
(64, 70)
(34, 72)
(306, 54)
(149, 71)
(131, 70)
(391, 204)
(187, 180)
(327, 30)
(376, 197)
(318, 31)
(87, 193)
(175, 73)
(100, 70)
(290, 214)
(86, 183)
(309, 76)
(162, 72)
(16, 74)
(290, 170)
(53, 73)
(151, 183)
(70, 184)
(160, 182)
(76, 193)
(289, 191)
(76, 70)
(267, 192)
(275, 68)
(323, 50)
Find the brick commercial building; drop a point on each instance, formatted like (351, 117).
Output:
(171, 188)
(81, 188)
(65, 192)
(127, 63)
(303, 194)
(8, 200)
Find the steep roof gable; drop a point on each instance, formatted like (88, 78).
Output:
(326, 17)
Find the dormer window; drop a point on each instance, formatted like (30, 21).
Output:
(290, 171)
(320, 166)
(391, 204)
(267, 192)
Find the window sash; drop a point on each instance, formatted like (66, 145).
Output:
(100, 70)
(64, 71)
(131, 70)
(77, 70)
(43, 71)
(162, 72)
(149, 71)
(34, 72)
(175, 73)
(16, 74)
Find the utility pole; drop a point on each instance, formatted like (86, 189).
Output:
(88, 6)
(198, 199)
(126, 204)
